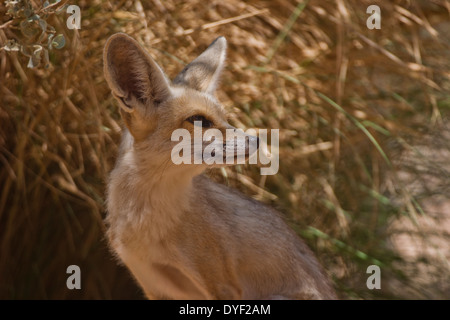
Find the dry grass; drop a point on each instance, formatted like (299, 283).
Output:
(350, 104)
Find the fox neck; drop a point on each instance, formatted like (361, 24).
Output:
(152, 196)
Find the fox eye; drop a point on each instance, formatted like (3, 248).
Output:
(205, 122)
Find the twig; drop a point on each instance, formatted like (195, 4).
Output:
(283, 33)
(225, 21)
(51, 6)
(6, 24)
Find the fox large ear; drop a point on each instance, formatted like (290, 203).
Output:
(203, 73)
(136, 81)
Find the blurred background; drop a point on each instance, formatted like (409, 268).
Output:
(364, 134)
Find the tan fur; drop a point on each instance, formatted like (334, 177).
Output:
(182, 235)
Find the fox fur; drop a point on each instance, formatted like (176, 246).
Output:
(180, 234)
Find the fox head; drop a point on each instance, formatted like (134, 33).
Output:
(153, 107)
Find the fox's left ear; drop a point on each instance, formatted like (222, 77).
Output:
(203, 73)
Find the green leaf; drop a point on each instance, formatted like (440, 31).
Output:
(43, 25)
(285, 31)
(62, 9)
(311, 231)
(34, 17)
(25, 50)
(27, 29)
(375, 194)
(375, 126)
(27, 12)
(357, 124)
(51, 29)
(59, 41)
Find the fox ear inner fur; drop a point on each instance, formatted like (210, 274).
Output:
(133, 76)
(136, 81)
(203, 73)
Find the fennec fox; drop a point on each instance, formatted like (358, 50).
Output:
(182, 235)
